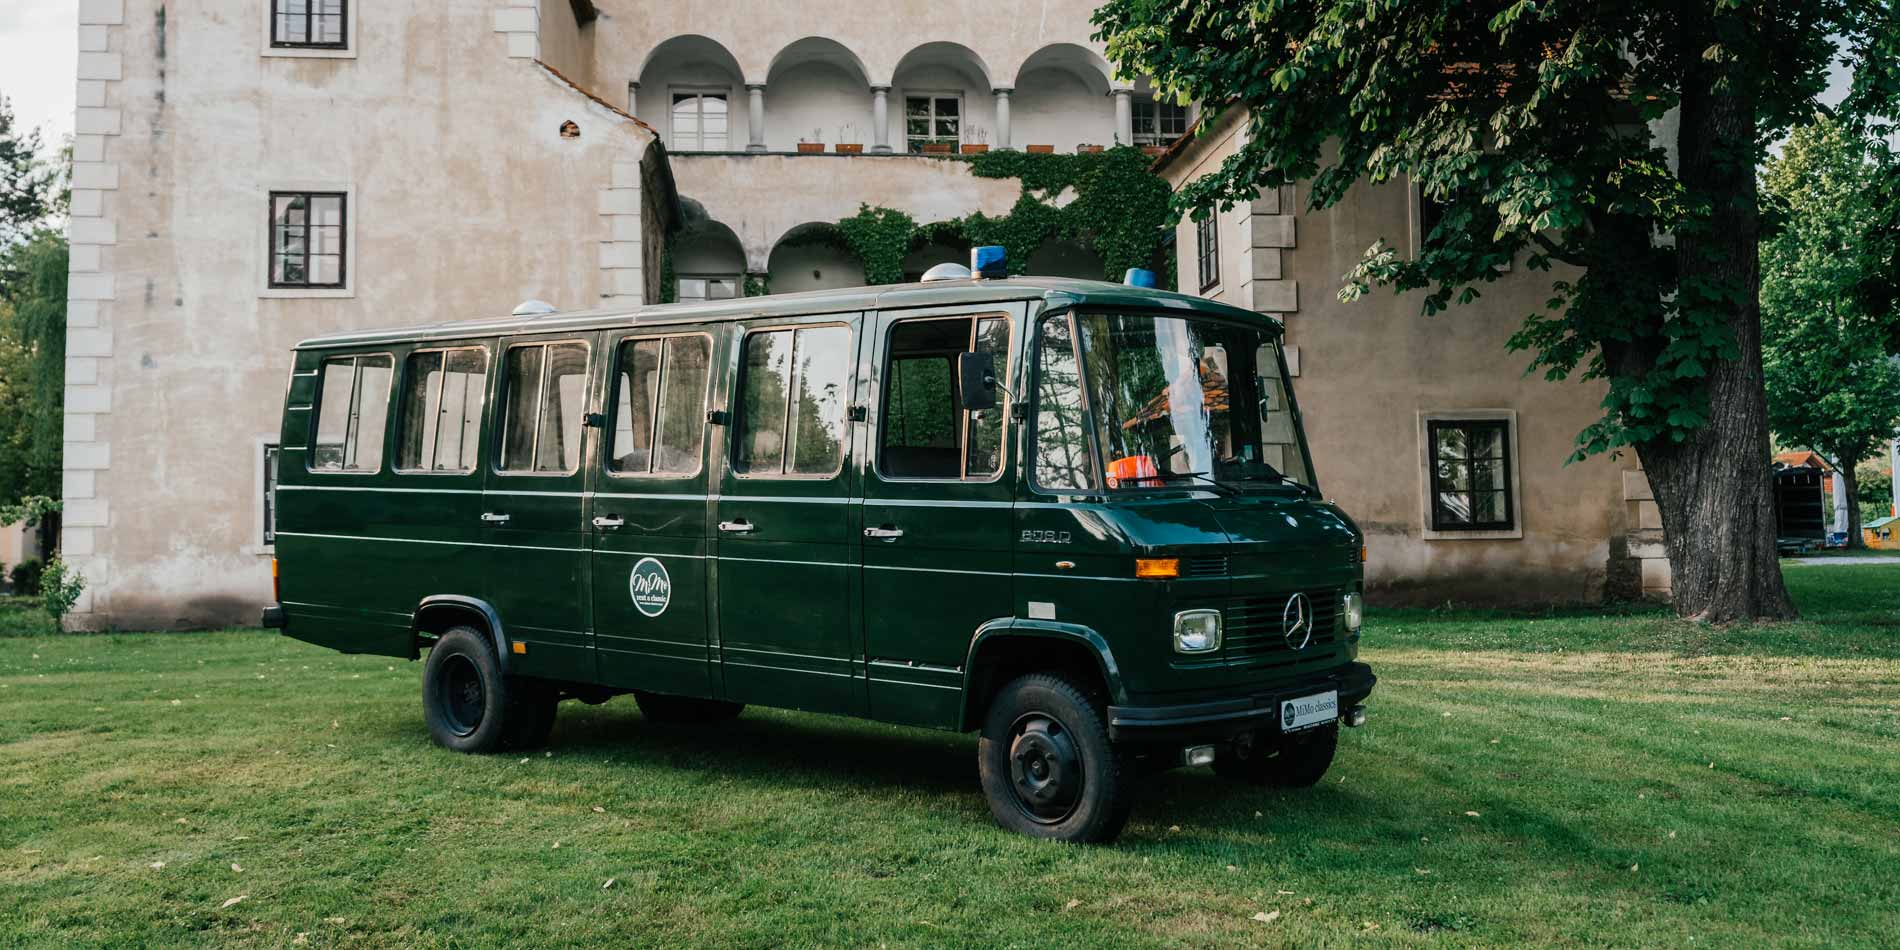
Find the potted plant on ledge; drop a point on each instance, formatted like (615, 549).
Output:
(982, 143)
(848, 143)
(815, 145)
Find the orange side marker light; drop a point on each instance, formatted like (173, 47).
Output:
(1158, 567)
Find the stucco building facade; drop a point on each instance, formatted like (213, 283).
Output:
(254, 172)
(1427, 429)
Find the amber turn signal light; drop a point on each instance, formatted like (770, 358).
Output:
(1158, 567)
(1362, 554)
(276, 589)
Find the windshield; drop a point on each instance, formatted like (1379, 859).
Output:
(1155, 401)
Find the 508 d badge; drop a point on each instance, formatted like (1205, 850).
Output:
(650, 587)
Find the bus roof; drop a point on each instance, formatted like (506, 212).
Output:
(1054, 291)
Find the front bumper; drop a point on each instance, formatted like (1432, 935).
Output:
(1224, 718)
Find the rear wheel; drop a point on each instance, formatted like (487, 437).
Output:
(1266, 757)
(1047, 765)
(471, 707)
(660, 707)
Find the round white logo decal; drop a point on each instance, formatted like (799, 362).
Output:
(650, 587)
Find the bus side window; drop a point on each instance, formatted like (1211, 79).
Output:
(660, 406)
(352, 412)
(441, 422)
(923, 431)
(544, 403)
(794, 384)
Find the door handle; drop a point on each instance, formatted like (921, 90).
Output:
(493, 518)
(886, 533)
(736, 527)
(609, 521)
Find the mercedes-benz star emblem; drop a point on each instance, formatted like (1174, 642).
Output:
(1296, 618)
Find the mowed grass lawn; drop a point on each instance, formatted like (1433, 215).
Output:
(1608, 777)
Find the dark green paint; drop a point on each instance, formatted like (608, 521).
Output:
(804, 611)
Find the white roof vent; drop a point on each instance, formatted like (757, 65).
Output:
(535, 308)
(948, 270)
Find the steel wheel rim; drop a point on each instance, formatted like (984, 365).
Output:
(1045, 768)
(464, 698)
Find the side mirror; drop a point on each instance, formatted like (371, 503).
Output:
(976, 381)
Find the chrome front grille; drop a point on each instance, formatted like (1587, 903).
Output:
(1253, 629)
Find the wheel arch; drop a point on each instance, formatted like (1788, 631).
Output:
(1009, 646)
(437, 613)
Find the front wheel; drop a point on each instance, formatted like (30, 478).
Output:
(1266, 757)
(471, 707)
(1048, 768)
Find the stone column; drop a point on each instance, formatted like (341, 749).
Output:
(1124, 117)
(633, 97)
(1002, 116)
(880, 119)
(755, 116)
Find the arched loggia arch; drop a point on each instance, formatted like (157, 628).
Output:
(692, 91)
(1063, 99)
(816, 90)
(812, 256)
(942, 94)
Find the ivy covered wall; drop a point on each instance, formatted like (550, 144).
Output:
(1107, 202)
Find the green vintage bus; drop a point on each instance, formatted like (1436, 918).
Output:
(1077, 517)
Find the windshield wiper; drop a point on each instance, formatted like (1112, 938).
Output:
(1304, 488)
(1203, 476)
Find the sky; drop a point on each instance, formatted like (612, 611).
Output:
(39, 50)
(39, 42)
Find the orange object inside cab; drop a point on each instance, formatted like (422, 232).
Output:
(1132, 468)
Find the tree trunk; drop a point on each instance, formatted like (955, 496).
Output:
(1852, 493)
(1715, 489)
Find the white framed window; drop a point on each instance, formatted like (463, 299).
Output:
(933, 118)
(308, 240)
(696, 287)
(264, 455)
(1469, 482)
(1207, 250)
(701, 119)
(1159, 123)
(320, 29)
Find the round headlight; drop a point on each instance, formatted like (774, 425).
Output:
(1197, 631)
(1353, 608)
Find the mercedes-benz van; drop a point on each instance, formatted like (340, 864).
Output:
(1076, 517)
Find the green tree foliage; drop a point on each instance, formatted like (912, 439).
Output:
(1832, 386)
(32, 368)
(29, 186)
(1616, 139)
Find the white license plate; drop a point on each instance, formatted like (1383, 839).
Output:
(1309, 711)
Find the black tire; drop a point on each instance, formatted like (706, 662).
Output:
(470, 706)
(685, 710)
(1047, 765)
(1267, 757)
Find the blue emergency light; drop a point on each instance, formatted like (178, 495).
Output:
(1140, 277)
(988, 261)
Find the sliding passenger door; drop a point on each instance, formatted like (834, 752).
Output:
(649, 515)
(938, 501)
(533, 509)
(785, 526)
